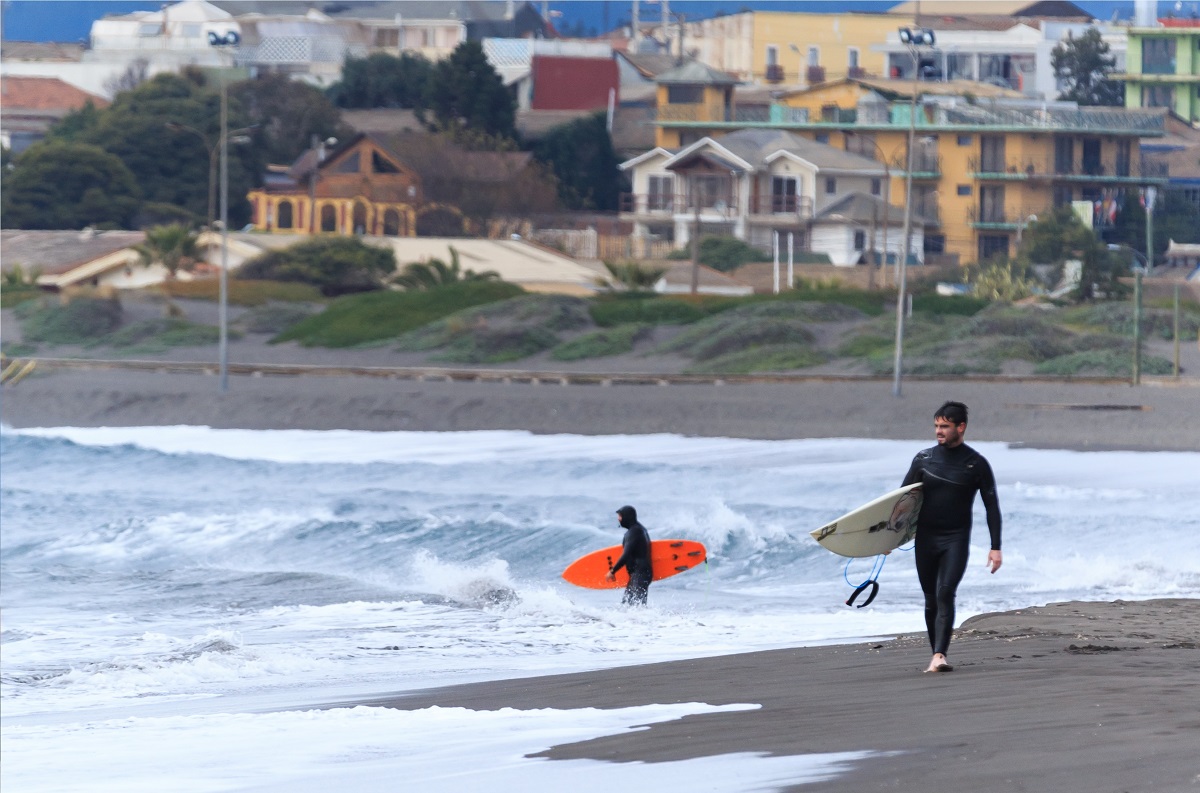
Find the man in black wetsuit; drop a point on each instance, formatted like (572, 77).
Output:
(951, 473)
(635, 557)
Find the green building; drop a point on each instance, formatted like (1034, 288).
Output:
(1163, 68)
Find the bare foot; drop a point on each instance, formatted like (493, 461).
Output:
(938, 664)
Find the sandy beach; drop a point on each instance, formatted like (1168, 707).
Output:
(1070, 697)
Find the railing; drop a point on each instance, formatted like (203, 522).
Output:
(928, 211)
(800, 207)
(774, 73)
(1087, 119)
(666, 205)
(1000, 217)
(684, 113)
(814, 74)
(1105, 169)
(924, 163)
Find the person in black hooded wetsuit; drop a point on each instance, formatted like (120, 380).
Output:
(635, 557)
(952, 473)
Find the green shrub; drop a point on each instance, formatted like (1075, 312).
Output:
(497, 345)
(360, 319)
(273, 318)
(736, 330)
(81, 321)
(613, 310)
(1113, 363)
(335, 265)
(959, 305)
(722, 253)
(764, 358)
(865, 344)
(870, 303)
(156, 335)
(607, 341)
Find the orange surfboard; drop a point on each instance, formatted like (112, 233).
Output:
(667, 558)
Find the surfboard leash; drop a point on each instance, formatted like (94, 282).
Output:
(872, 582)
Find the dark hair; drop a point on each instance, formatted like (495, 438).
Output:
(956, 412)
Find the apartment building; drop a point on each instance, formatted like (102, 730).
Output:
(986, 161)
(1163, 68)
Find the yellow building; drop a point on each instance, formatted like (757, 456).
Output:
(792, 48)
(986, 161)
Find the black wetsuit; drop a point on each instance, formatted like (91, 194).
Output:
(951, 477)
(635, 557)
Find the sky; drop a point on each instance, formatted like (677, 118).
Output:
(70, 20)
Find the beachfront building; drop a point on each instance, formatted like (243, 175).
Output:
(764, 185)
(986, 161)
(394, 185)
(1163, 68)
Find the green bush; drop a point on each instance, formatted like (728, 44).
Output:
(360, 319)
(722, 253)
(609, 311)
(497, 345)
(865, 344)
(83, 320)
(273, 318)
(959, 305)
(870, 303)
(764, 358)
(736, 330)
(1113, 363)
(607, 341)
(156, 335)
(334, 265)
(1117, 317)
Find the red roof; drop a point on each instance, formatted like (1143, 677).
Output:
(573, 83)
(44, 93)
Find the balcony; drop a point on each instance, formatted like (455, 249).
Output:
(781, 207)
(647, 205)
(925, 165)
(928, 211)
(856, 73)
(814, 74)
(1106, 170)
(999, 218)
(774, 73)
(659, 206)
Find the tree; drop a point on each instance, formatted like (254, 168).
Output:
(1060, 236)
(582, 158)
(59, 185)
(383, 80)
(174, 247)
(1082, 66)
(173, 168)
(335, 265)
(435, 273)
(465, 92)
(134, 75)
(287, 113)
(635, 276)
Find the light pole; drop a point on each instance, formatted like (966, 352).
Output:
(913, 38)
(230, 39)
(1142, 266)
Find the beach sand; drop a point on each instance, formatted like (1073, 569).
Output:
(1070, 697)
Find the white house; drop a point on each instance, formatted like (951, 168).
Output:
(752, 184)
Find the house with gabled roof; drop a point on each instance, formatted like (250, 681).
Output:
(754, 184)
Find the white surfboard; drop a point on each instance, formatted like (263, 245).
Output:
(878, 527)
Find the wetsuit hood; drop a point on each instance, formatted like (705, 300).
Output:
(628, 516)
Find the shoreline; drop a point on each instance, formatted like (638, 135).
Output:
(1062, 415)
(1074, 697)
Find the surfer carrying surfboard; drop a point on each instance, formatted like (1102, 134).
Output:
(951, 474)
(635, 557)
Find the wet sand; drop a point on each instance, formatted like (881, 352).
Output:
(1070, 697)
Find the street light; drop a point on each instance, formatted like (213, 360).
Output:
(914, 39)
(229, 39)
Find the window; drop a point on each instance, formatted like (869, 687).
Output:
(191, 30)
(783, 194)
(823, 137)
(860, 240)
(1124, 157)
(1158, 56)
(1158, 96)
(662, 192)
(1064, 155)
(964, 189)
(991, 205)
(830, 185)
(149, 29)
(852, 57)
(991, 245)
(772, 55)
(964, 140)
(1063, 196)
(935, 243)
(814, 56)
(391, 223)
(380, 164)
(876, 186)
(328, 218)
(285, 215)
(991, 153)
(685, 94)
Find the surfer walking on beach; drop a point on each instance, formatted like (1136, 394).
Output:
(635, 557)
(951, 474)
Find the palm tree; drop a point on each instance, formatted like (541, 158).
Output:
(174, 247)
(435, 273)
(635, 276)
